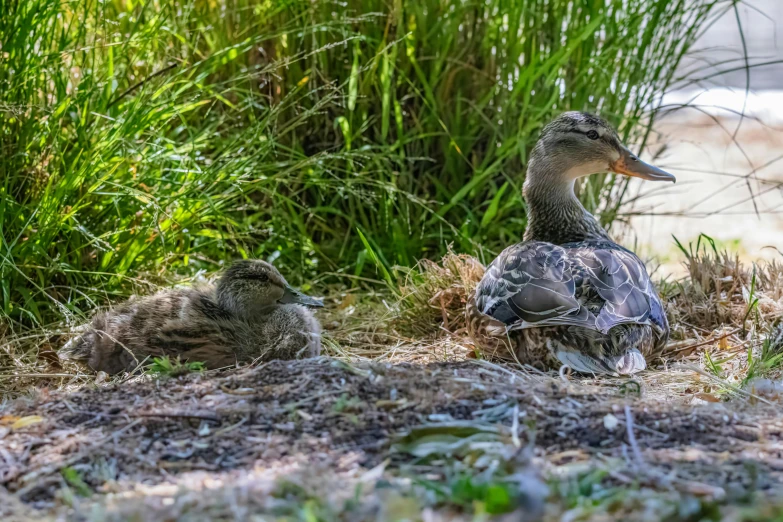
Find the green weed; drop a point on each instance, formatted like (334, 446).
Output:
(768, 360)
(166, 367)
(74, 479)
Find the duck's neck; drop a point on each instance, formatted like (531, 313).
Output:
(554, 214)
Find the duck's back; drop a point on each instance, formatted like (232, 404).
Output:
(179, 323)
(592, 291)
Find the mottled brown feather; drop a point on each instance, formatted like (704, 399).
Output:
(190, 323)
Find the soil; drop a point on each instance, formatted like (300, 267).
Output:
(294, 421)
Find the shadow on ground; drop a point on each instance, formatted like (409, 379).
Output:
(342, 438)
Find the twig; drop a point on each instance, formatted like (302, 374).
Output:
(139, 84)
(39, 375)
(175, 415)
(225, 430)
(34, 475)
(708, 341)
(637, 455)
(313, 397)
(206, 417)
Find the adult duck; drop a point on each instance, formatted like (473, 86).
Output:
(568, 294)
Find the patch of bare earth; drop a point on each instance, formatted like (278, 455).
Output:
(368, 441)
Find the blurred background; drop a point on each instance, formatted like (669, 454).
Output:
(725, 146)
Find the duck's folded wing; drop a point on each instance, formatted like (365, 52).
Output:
(541, 284)
(617, 282)
(532, 284)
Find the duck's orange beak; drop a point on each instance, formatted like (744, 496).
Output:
(630, 165)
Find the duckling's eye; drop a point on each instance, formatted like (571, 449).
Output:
(592, 134)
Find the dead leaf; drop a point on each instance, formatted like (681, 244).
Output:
(386, 404)
(23, 422)
(348, 300)
(707, 397)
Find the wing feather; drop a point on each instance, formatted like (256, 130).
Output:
(592, 284)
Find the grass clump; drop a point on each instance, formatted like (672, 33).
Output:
(433, 296)
(151, 139)
(74, 479)
(470, 493)
(167, 367)
(720, 290)
(769, 359)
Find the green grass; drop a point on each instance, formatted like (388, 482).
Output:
(143, 141)
(769, 358)
(166, 367)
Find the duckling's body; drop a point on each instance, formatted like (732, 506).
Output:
(251, 314)
(568, 294)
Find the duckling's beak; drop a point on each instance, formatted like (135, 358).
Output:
(630, 165)
(291, 296)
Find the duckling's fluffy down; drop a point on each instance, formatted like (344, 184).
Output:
(188, 323)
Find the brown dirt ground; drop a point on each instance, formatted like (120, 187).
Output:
(149, 449)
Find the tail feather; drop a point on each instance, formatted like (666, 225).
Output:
(627, 364)
(631, 362)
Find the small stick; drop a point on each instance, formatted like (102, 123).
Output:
(39, 375)
(637, 455)
(708, 341)
(139, 84)
(175, 415)
(206, 417)
(45, 470)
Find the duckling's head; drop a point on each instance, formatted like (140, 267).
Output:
(249, 287)
(578, 144)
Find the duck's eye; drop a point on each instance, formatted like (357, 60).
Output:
(593, 135)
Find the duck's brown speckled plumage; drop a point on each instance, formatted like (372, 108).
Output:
(568, 294)
(239, 320)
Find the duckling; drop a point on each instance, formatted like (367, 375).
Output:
(568, 294)
(252, 313)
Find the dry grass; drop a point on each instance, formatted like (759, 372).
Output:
(724, 316)
(721, 291)
(721, 316)
(276, 438)
(433, 295)
(421, 322)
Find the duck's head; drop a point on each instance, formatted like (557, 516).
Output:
(248, 287)
(578, 144)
